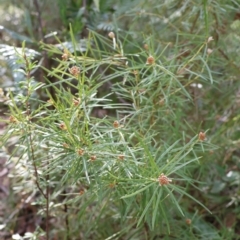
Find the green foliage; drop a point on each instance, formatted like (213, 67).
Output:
(131, 134)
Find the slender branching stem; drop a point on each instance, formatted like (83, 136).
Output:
(28, 114)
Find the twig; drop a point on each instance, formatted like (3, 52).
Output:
(35, 167)
(66, 220)
(41, 34)
(28, 113)
(45, 63)
(39, 16)
(47, 203)
(194, 22)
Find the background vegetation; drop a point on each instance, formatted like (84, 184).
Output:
(120, 119)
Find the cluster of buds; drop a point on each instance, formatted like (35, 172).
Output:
(121, 157)
(12, 119)
(63, 126)
(93, 157)
(163, 179)
(112, 185)
(201, 136)
(135, 72)
(81, 192)
(150, 60)
(80, 152)
(116, 124)
(188, 221)
(65, 55)
(75, 71)
(76, 102)
(145, 46)
(50, 102)
(65, 145)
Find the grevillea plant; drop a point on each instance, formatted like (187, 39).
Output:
(107, 152)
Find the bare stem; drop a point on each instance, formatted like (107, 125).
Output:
(66, 220)
(39, 16)
(47, 204)
(28, 113)
(41, 34)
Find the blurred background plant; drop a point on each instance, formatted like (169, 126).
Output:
(123, 119)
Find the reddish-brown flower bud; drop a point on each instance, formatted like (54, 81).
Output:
(121, 157)
(63, 126)
(112, 185)
(75, 71)
(116, 124)
(93, 157)
(65, 55)
(80, 152)
(164, 180)
(12, 119)
(76, 102)
(81, 192)
(201, 136)
(188, 221)
(150, 60)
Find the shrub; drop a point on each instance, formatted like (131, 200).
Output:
(114, 141)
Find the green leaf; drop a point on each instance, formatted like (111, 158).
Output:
(138, 191)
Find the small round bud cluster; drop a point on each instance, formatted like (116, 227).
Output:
(65, 145)
(188, 221)
(164, 180)
(201, 136)
(75, 71)
(65, 55)
(145, 46)
(63, 126)
(150, 60)
(50, 101)
(135, 72)
(121, 157)
(93, 157)
(81, 192)
(76, 102)
(12, 119)
(112, 185)
(116, 124)
(80, 152)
